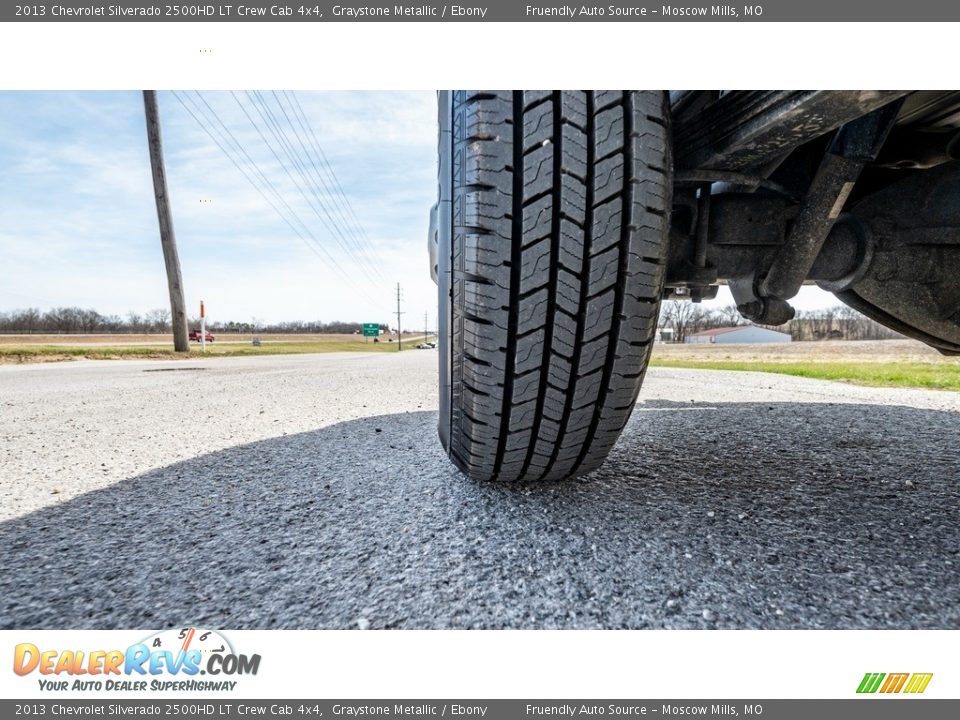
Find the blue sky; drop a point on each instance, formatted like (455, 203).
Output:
(78, 223)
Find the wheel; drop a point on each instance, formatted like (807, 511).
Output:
(551, 236)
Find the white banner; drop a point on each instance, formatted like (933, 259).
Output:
(477, 664)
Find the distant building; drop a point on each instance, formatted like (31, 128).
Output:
(738, 334)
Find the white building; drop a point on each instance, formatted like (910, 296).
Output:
(738, 334)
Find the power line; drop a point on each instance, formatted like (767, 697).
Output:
(273, 125)
(257, 169)
(266, 181)
(357, 226)
(326, 162)
(316, 246)
(303, 233)
(330, 193)
(277, 130)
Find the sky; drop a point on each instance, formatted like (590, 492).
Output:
(78, 223)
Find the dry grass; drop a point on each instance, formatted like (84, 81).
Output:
(164, 340)
(55, 348)
(867, 351)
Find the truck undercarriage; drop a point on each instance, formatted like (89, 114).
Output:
(857, 191)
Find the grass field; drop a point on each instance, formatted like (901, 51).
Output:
(887, 363)
(935, 377)
(55, 348)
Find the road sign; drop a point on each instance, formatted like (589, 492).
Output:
(371, 329)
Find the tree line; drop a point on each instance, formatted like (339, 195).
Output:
(686, 318)
(84, 320)
(682, 316)
(291, 327)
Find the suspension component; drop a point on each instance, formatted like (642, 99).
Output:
(853, 146)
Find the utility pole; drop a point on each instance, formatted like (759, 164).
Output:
(399, 336)
(426, 335)
(178, 310)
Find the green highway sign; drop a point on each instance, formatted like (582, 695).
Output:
(371, 329)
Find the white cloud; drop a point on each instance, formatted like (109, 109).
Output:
(79, 223)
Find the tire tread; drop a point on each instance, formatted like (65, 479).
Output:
(560, 207)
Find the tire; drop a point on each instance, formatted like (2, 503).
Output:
(551, 248)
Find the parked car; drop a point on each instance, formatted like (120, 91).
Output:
(195, 336)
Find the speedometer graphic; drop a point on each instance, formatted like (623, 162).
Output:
(181, 640)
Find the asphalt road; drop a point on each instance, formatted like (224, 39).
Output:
(311, 492)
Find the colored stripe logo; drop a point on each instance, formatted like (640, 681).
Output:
(913, 683)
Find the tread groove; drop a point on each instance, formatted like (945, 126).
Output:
(576, 361)
(552, 284)
(617, 321)
(516, 240)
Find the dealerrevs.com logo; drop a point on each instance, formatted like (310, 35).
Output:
(170, 660)
(888, 683)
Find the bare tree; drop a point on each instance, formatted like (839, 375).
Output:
(158, 320)
(135, 322)
(701, 319)
(729, 316)
(678, 314)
